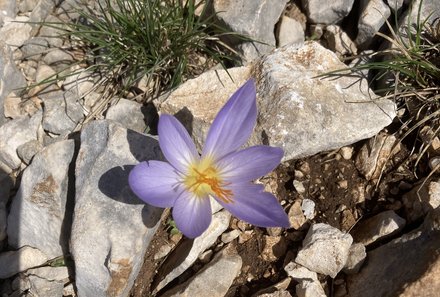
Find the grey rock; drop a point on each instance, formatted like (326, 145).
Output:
(329, 12)
(290, 31)
(299, 112)
(43, 287)
(28, 150)
(356, 258)
(308, 208)
(50, 273)
(129, 114)
(373, 16)
(215, 278)
(62, 112)
(51, 34)
(15, 31)
(27, 5)
(112, 228)
(406, 266)
(57, 56)
(10, 77)
(13, 262)
(430, 11)
(325, 249)
(11, 105)
(308, 283)
(339, 41)
(175, 265)
(304, 114)
(373, 155)
(38, 211)
(299, 272)
(45, 74)
(255, 18)
(40, 12)
(380, 226)
(15, 133)
(8, 8)
(20, 283)
(34, 48)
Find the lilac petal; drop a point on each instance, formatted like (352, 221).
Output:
(250, 163)
(256, 207)
(192, 214)
(155, 182)
(234, 123)
(175, 143)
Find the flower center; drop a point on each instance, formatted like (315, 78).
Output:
(203, 180)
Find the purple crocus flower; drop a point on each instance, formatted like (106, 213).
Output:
(221, 171)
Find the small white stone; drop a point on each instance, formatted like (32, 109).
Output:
(346, 152)
(308, 208)
(325, 249)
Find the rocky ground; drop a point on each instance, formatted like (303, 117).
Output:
(364, 220)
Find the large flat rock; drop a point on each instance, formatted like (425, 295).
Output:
(298, 111)
(112, 228)
(38, 211)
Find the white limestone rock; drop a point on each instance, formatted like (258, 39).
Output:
(175, 265)
(255, 18)
(15, 133)
(373, 16)
(112, 228)
(328, 12)
(299, 112)
(305, 114)
(38, 211)
(325, 250)
(216, 278)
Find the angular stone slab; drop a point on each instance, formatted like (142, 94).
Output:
(255, 19)
(216, 277)
(15, 133)
(407, 266)
(306, 114)
(188, 251)
(38, 210)
(10, 77)
(298, 111)
(112, 228)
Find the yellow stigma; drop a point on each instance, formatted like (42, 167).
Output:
(203, 180)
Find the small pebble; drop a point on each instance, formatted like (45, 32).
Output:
(308, 208)
(346, 152)
(343, 184)
(299, 187)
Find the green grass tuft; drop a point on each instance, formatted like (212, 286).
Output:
(162, 42)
